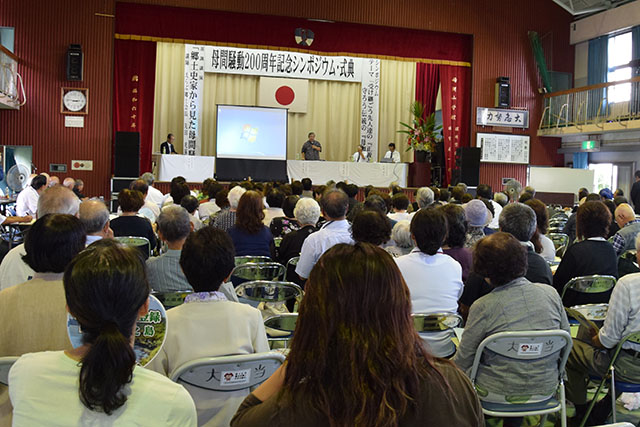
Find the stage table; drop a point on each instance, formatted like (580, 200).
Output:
(361, 174)
(192, 168)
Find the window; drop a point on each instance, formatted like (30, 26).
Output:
(619, 53)
(606, 176)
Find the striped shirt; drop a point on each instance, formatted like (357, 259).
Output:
(165, 274)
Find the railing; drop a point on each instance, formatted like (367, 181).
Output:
(8, 75)
(592, 105)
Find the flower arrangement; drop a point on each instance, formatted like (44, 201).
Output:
(423, 134)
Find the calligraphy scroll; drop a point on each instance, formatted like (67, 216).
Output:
(369, 106)
(194, 59)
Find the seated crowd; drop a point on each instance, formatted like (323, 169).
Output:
(366, 265)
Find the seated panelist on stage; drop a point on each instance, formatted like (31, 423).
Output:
(312, 148)
(360, 156)
(392, 153)
(167, 146)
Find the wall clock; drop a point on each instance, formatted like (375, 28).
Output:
(74, 100)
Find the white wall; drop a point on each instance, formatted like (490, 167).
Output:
(606, 22)
(581, 64)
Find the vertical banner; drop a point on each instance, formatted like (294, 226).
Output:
(370, 106)
(193, 83)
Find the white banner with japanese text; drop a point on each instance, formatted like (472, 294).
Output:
(193, 84)
(370, 102)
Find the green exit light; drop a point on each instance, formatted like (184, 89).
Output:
(588, 145)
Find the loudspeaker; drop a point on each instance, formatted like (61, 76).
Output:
(75, 62)
(468, 162)
(503, 93)
(127, 154)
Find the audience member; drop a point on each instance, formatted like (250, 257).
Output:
(444, 195)
(424, 197)
(129, 223)
(32, 314)
(513, 189)
(466, 198)
(542, 244)
(69, 183)
(296, 188)
(618, 193)
(54, 180)
(164, 272)
(99, 383)
(618, 200)
(307, 187)
(149, 210)
(515, 304)
(250, 236)
(190, 203)
(283, 225)
(307, 213)
(179, 189)
(155, 195)
(352, 192)
(275, 200)
(334, 208)
(592, 358)
(456, 238)
(483, 191)
(635, 192)
(625, 237)
(400, 203)
(58, 199)
(226, 218)
(592, 255)
(401, 237)
(478, 217)
(27, 200)
(613, 227)
(347, 340)
(433, 278)
(78, 188)
(371, 226)
(606, 194)
(524, 197)
(208, 324)
(209, 207)
(94, 216)
(456, 195)
(501, 199)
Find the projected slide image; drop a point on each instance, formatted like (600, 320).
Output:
(251, 133)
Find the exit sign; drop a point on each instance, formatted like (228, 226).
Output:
(590, 146)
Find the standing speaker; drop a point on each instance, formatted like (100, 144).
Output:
(75, 60)
(127, 154)
(468, 159)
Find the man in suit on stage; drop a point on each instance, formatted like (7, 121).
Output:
(167, 146)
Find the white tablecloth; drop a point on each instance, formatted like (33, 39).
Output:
(361, 174)
(192, 168)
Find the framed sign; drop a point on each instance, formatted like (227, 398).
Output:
(502, 117)
(74, 100)
(501, 148)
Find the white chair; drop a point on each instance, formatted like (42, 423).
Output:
(5, 365)
(267, 291)
(428, 324)
(257, 271)
(281, 327)
(590, 284)
(228, 373)
(291, 263)
(526, 346)
(239, 260)
(560, 242)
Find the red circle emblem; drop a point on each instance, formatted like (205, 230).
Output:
(285, 95)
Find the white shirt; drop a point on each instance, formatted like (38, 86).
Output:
(13, 269)
(435, 285)
(356, 157)
(395, 156)
(623, 316)
(44, 391)
(155, 196)
(400, 216)
(548, 248)
(206, 209)
(270, 213)
(331, 234)
(496, 213)
(27, 202)
(206, 329)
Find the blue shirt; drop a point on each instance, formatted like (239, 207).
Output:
(259, 244)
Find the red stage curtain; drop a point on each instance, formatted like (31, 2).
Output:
(133, 94)
(456, 104)
(427, 83)
(263, 30)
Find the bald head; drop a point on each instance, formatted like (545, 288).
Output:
(623, 214)
(94, 215)
(58, 200)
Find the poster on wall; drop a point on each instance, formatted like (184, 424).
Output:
(193, 84)
(501, 148)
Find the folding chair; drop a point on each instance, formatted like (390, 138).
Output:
(526, 346)
(426, 323)
(616, 386)
(257, 291)
(171, 299)
(257, 271)
(291, 263)
(594, 284)
(560, 242)
(252, 259)
(281, 327)
(5, 365)
(141, 243)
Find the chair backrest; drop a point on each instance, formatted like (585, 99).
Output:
(141, 243)
(526, 346)
(593, 312)
(590, 284)
(228, 373)
(259, 271)
(277, 241)
(285, 322)
(268, 291)
(431, 322)
(291, 263)
(560, 242)
(5, 365)
(171, 299)
(250, 258)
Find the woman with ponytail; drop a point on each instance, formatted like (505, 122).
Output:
(99, 383)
